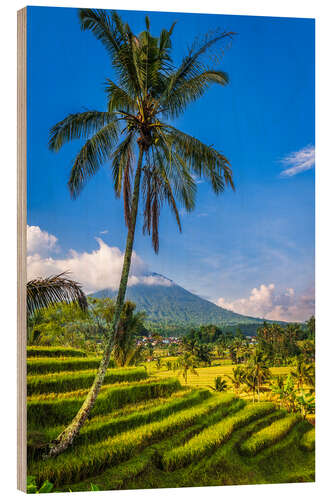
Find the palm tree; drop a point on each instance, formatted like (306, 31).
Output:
(150, 91)
(203, 353)
(126, 352)
(189, 345)
(257, 370)
(220, 385)
(186, 364)
(303, 373)
(237, 377)
(44, 292)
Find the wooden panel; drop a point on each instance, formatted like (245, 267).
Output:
(21, 246)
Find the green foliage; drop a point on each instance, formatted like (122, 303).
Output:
(43, 292)
(125, 351)
(305, 403)
(220, 385)
(46, 487)
(269, 435)
(69, 381)
(307, 442)
(186, 363)
(56, 409)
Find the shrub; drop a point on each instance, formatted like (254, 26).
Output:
(54, 352)
(269, 435)
(70, 381)
(308, 440)
(212, 437)
(56, 409)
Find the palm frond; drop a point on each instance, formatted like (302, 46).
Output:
(43, 292)
(118, 98)
(191, 67)
(93, 154)
(177, 171)
(203, 160)
(192, 89)
(119, 42)
(122, 170)
(77, 126)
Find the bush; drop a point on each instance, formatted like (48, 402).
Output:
(56, 409)
(269, 435)
(70, 381)
(308, 440)
(212, 437)
(54, 352)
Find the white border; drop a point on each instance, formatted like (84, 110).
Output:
(322, 11)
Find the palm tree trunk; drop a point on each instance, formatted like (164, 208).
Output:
(65, 439)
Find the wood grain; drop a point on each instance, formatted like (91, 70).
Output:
(21, 248)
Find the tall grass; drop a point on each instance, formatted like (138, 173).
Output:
(56, 409)
(212, 437)
(268, 435)
(118, 476)
(307, 441)
(73, 466)
(70, 381)
(102, 427)
(54, 352)
(41, 366)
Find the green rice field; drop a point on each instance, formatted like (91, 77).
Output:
(148, 430)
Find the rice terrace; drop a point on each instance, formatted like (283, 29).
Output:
(153, 431)
(203, 372)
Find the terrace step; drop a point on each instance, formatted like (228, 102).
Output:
(74, 465)
(71, 381)
(52, 409)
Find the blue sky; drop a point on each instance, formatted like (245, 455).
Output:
(233, 247)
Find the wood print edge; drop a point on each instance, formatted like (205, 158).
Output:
(21, 246)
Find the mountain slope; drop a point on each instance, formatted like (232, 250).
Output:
(170, 304)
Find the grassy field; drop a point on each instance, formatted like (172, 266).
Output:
(206, 375)
(155, 432)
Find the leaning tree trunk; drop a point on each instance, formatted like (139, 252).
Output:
(65, 439)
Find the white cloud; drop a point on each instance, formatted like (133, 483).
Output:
(39, 241)
(95, 270)
(104, 232)
(299, 161)
(265, 302)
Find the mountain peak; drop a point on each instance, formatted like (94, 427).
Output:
(166, 303)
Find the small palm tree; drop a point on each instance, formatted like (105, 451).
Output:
(220, 385)
(301, 373)
(126, 352)
(44, 292)
(257, 370)
(186, 363)
(150, 92)
(204, 353)
(237, 377)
